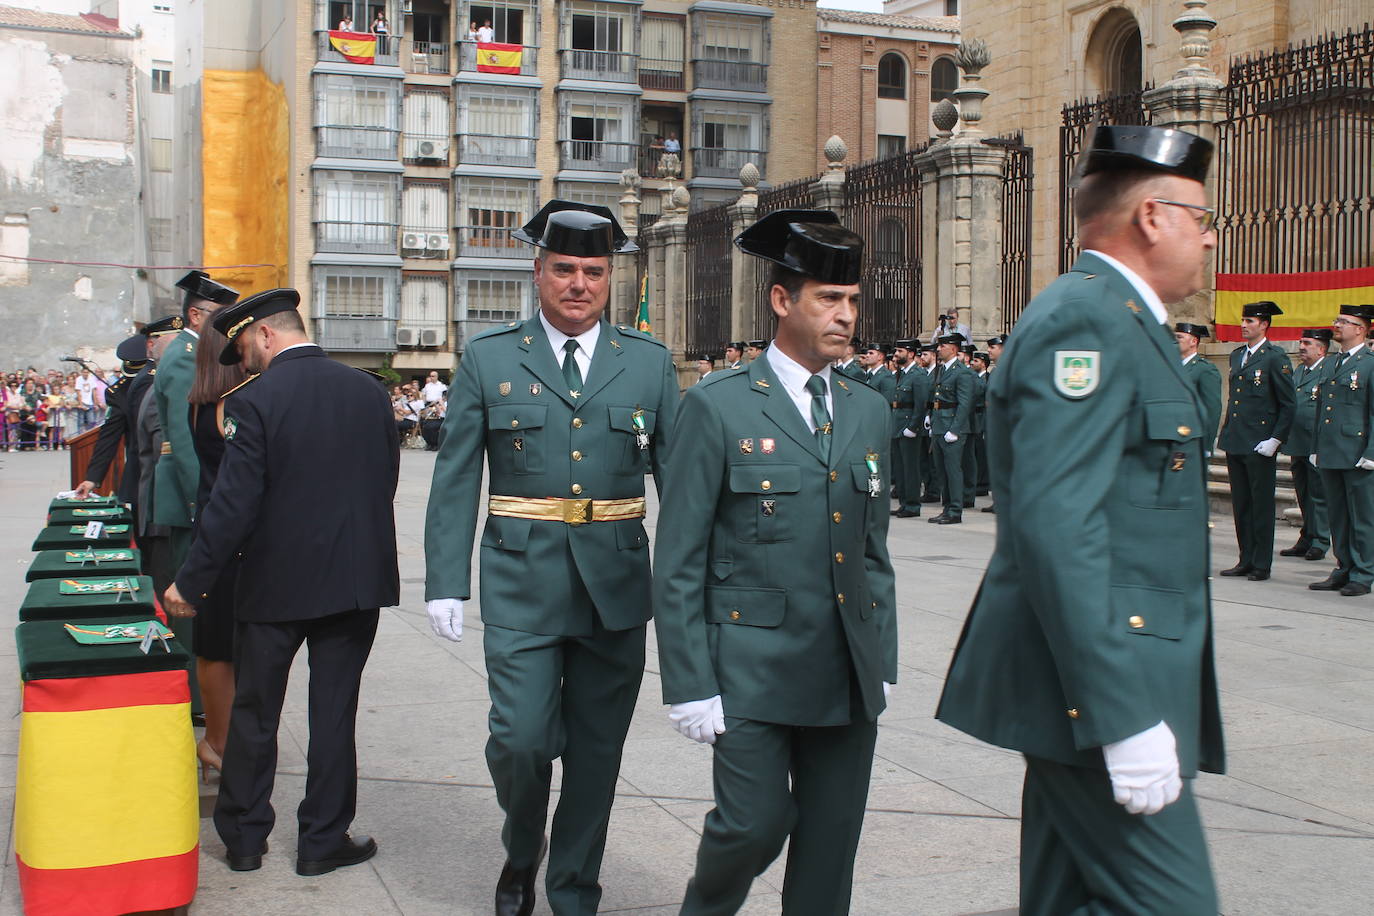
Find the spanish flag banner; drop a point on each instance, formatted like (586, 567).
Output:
(1308, 300)
(106, 817)
(642, 322)
(356, 47)
(493, 57)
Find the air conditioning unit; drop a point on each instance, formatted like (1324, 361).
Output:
(437, 241)
(429, 337)
(405, 337)
(432, 149)
(413, 240)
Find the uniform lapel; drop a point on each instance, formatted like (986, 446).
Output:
(606, 362)
(1158, 334)
(538, 359)
(779, 408)
(844, 423)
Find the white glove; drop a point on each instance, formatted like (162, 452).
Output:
(950, 437)
(446, 617)
(1268, 447)
(887, 690)
(1364, 464)
(1313, 458)
(927, 424)
(1144, 770)
(908, 434)
(700, 720)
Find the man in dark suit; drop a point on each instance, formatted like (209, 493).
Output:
(951, 419)
(121, 409)
(1315, 366)
(318, 540)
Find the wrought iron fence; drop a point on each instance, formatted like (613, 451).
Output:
(708, 278)
(1077, 121)
(1018, 186)
(882, 203)
(792, 195)
(1295, 154)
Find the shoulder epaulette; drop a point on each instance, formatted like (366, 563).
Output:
(495, 332)
(377, 375)
(630, 333)
(239, 385)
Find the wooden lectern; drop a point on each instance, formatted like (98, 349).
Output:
(81, 447)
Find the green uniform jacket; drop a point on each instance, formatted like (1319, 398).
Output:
(1093, 622)
(853, 370)
(955, 386)
(1345, 432)
(1302, 440)
(1261, 399)
(909, 403)
(773, 579)
(881, 381)
(509, 401)
(178, 472)
(980, 403)
(1206, 381)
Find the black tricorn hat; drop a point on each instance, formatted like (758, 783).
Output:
(810, 242)
(928, 348)
(758, 344)
(580, 230)
(1197, 330)
(167, 324)
(968, 347)
(235, 319)
(997, 341)
(908, 343)
(979, 354)
(735, 345)
(1359, 311)
(1118, 147)
(1322, 334)
(955, 338)
(1262, 309)
(133, 349)
(198, 285)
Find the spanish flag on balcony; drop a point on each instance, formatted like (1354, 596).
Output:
(493, 57)
(1308, 300)
(356, 47)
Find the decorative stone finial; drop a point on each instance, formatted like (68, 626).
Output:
(669, 166)
(749, 176)
(629, 179)
(973, 56)
(1194, 27)
(680, 196)
(835, 152)
(944, 116)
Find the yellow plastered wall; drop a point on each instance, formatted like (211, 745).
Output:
(246, 162)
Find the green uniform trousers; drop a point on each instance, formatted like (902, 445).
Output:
(970, 464)
(981, 453)
(949, 473)
(1252, 501)
(930, 485)
(568, 697)
(1350, 508)
(1307, 481)
(756, 811)
(906, 472)
(1082, 854)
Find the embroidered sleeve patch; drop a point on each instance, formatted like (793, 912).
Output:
(1076, 372)
(231, 427)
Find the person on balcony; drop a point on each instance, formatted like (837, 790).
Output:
(671, 145)
(381, 30)
(486, 33)
(346, 23)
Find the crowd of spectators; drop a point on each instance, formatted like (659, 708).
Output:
(419, 410)
(42, 411)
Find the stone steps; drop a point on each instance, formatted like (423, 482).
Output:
(1219, 489)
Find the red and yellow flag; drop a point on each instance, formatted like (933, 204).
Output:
(1308, 300)
(493, 57)
(356, 47)
(106, 817)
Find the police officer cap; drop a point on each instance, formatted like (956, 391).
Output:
(1262, 309)
(1197, 330)
(968, 348)
(580, 230)
(810, 242)
(758, 344)
(1359, 311)
(198, 285)
(997, 341)
(702, 355)
(874, 345)
(979, 354)
(927, 348)
(908, 343)
(1131, 147)
(167, 324)
(132, 349)
(736, 345)
(953, 338)
(1322, 334)
(234, 320)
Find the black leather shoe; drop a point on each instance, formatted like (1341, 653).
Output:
(1329, 584)
(948, 520)
(1314, 553)
(1257, 575)
(929, 498)
(988, 509)
(935, 519)
(968, 504)
(1351, 589)
(245, 863)
(906, 513)
(515, 887)
(1240, 569)
(350, 852)
(1297, 550)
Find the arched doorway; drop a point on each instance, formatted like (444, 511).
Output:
(1114, 60)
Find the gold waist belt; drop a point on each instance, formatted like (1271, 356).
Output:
(571, 511)
(166, 448)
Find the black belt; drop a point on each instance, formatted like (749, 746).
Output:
(941, 405)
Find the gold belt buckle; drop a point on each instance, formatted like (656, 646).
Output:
(577, 511)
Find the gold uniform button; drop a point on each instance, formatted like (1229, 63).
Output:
(514, 423)
(767, 485)
(834, 475)
(1136, 622)
(734, 615)
(576, 489)
(1185, 430)
(839, 557)
(576, 456)
(837, 517)
(840, 597)
(1073, 713)
(577, 422)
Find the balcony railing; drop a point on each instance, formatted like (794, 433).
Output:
(610, 66)
(730, 74)
(362, 334)
(325, 51)
(597, 155)
(649, 157)
(468, 60)
(355, 238)
(428, 57)
(477, 149)
(661, 74)
(490, 242)
(469, 328)
(427, 149)
(725, 163)
(356, 142)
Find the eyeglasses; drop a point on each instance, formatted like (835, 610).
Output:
(1205, 217)
(1347, 321)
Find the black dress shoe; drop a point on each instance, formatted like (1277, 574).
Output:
(935, 519)
(515, 887)
(245, 863)
(948, 520)
(1240, 569)
(968, 504)
(1257, 575)
(1297, 550)
(1351, 589)
(1330, 584)
(1314, 553)
(906, 513)
(350, 852)
(929, 498)
(988, 509)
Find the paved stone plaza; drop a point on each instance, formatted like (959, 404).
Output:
(1291, 828)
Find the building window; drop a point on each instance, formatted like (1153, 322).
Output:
(596, 131)
(424, 220)
(356, 212)
(596, 41)
(162, 77)
(730, 52)
(951, 7)
(357, 117)
(662, 51)
(511, 21)
(486, 211)
(357, 307)
(427, 131)
(944, 79)
(497, 126)
(892, 77)
(424, 311)
(159, 155)
(490, 298)
(592, 192)
(890, 145)
(726, 135)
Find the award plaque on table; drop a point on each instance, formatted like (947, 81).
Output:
(85, 561)
(110, 515)
(73, 536)
(93, 595)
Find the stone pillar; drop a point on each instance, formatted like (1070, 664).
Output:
(828, 191)
(673, 231)
(626, 297)
(744, 278)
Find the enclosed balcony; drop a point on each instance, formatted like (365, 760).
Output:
(743, 75)
(472, 59)
(386, 52)
(605, 66)
(597, 155)
(725, 163)
(359, 334)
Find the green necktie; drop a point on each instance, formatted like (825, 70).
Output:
(571, 374)
(819, 415)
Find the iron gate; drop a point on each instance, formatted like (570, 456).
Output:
(792, 195)
(1077, 121)
(708, 279)
(882, 203)
(1018, 187)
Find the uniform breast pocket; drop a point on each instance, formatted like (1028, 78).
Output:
(765, 501)
(627, 424)
(515, 436)
(1168, 474)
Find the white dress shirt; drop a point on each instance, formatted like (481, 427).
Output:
(586, 344)
(1143, 289)
(793, 377)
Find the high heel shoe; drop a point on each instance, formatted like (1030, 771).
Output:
(209, 760)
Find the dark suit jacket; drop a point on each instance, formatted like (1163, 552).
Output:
(1344, 433)
(1260, 399)
(304, 493)
(1301, 441)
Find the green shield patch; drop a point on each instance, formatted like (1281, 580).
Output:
(1076, 372)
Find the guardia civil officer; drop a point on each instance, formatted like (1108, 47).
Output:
(849, 364)
(1089, 647)
(930, 483)
(1344, 454)
(121, 408)
(147, 436)
(908, 414)
(1313, 369)
(734, 354)
(754, 349)
(951, 419)
(1204, 376)
(775, 610)
(1259, 417)
(570, 412)
(318, 545)
(876, 374)
(978, 365)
